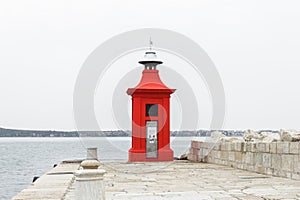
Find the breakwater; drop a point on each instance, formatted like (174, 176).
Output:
(280, 159)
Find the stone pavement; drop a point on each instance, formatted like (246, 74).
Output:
(53, 185)
(187, 180)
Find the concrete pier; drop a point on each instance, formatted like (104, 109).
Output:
(52, 185)
(174, 180)
(188, 180)
(229, 174)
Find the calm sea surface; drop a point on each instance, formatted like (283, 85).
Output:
(23, 158)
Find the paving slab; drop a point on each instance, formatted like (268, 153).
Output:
(189, 180)
(51, 186)
(170, 180)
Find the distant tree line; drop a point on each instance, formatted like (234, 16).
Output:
(112, 133)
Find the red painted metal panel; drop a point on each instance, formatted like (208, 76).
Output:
(150, 90)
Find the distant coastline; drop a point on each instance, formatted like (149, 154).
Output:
(113, 133)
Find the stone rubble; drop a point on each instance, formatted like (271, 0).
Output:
(217, 136)
(282, 135)
(289, 135)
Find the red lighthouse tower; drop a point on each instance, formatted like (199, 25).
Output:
(150, 115)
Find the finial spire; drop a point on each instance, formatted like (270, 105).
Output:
(150, 44)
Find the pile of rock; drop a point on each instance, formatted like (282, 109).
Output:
(249, 136)
(282, 135)
(289, 135)
(217, 136)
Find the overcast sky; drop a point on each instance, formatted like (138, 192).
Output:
(255, 46)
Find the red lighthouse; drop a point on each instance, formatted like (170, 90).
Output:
(150, 115)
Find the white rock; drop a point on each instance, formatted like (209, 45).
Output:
(218, 136)
(184, 156)
(289, 135)
(251, 136)
(270, 137)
